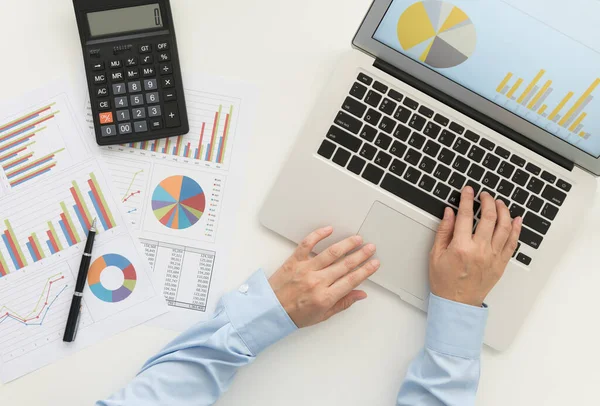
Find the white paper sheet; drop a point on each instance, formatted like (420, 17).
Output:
(188, 251)
(52, 188)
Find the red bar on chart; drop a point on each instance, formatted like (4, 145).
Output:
(214, 135)
(199, 150)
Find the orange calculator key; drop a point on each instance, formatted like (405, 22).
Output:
(106, 118)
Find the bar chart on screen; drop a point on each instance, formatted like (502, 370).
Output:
(32, 144)
(64, 213)
(565, 111)
(213, 122)
(33, 310)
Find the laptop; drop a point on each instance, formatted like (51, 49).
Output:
(434, 96)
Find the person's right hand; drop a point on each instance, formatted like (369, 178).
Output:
(464, 267)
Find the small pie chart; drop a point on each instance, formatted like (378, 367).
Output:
(437, 33)
(178, 202)
(105, 262)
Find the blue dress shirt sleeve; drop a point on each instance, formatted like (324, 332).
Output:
(446, 371)
(199, 365)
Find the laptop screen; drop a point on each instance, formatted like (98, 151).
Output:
(539, 59)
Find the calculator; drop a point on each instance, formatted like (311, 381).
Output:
(132, 68)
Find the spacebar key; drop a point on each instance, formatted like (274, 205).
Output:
(413, 195)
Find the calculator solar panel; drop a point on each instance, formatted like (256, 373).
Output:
(132, 68)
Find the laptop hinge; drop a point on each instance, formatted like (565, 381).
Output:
(474, 114)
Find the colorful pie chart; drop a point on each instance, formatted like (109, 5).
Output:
(100, 265)
(437, 33)
(178, 202)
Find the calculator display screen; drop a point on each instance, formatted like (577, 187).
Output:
(125, 20)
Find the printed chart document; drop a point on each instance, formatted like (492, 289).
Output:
(182, 195)
(52, 189)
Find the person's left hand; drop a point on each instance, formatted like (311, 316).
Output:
(311, 290)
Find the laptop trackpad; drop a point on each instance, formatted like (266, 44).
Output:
(403, 247)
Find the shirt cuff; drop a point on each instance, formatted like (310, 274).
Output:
(454, 328)
(257, 315)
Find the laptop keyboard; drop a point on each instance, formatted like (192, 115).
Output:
(426, 159)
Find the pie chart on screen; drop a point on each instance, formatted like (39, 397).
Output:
(178, 202)
(437, 33)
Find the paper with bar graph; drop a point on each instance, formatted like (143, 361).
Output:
(44, 222)
(33, 138)
(181, 195)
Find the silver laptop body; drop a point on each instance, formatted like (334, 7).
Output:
(349, 169)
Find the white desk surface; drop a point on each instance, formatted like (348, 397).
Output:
(359, 358)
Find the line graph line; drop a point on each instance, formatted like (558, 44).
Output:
(11, 314)
(137, 192)
(125, 195)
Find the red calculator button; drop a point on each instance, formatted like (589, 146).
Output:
(106, 118)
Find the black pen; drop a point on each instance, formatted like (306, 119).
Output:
(73, 320)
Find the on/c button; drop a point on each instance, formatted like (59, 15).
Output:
(106, 118)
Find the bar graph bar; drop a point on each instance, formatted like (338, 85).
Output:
(67, 227)
(538, 99)
(514, 88)
(17, 159)
(531, 85)
(4, 270)
(539, 95)
(504, 82)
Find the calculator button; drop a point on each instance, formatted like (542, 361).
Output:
(170, 95)
(119, 88)
(133, 61)
(104, 105)
(137, 100)
(98, 66)
(156, 124)
(149, 71)
(102, 91)
(172, 115)
(154, 111)
(144, 49)
(117, 75)
(152, 98)
(123, 115)
(108, 130)
(100, 79)
(140, 126)
(125, 128)
(121, 102)
(138, 113)
(133, 73)
(164, 57)
(150, 84)
(162, 46)
(134, 87)
(147, 60)
(166, 69)
(106, 118)
(116, 64)
(167, 82)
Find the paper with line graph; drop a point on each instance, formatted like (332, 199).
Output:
(43, 225)
(182, 195)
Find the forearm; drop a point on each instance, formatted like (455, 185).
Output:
(199, 366)
(446, 371)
